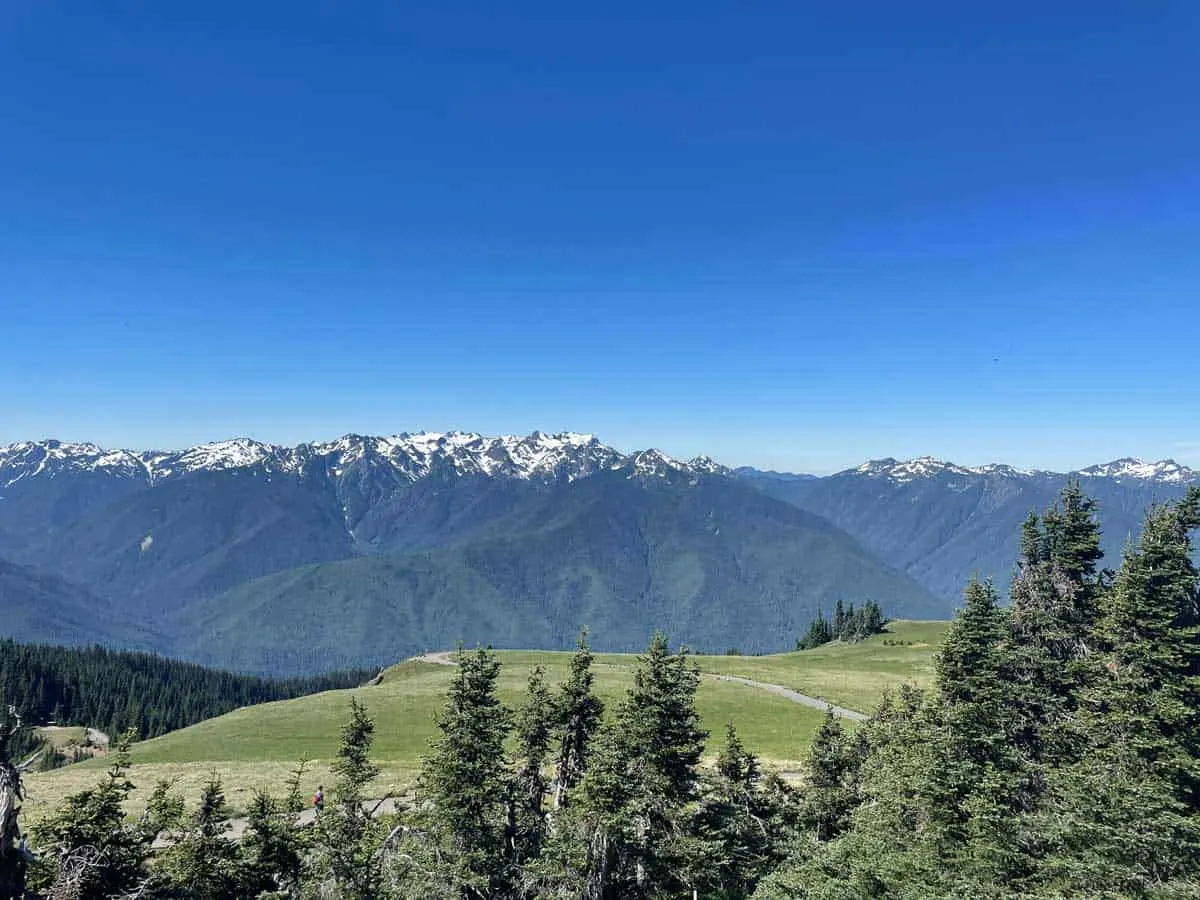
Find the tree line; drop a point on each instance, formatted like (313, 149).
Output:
(1056, 755)
(848, 624)
(115, 690)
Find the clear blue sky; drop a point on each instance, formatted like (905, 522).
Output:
(793, 235)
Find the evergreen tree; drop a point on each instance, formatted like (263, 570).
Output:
(271, 861)
(1054, 596)
(116, 691)
(632, 814)
(344, 856)
(873, 619)
(527, 791)
(1033, 546)
(831, 791)
(742, 823)
(579, 714)
(819, 632)
(1130, 814)
(465, 779)
(203, 862)
(977, 781)
(882, 848)
(1072, 544)
(90, 851)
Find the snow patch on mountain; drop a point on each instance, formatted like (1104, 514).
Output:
(1166, 470)
(403, 458)
(924, 467)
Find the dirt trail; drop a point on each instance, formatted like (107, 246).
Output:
(446, 658)
(795, 696)
(442, 658)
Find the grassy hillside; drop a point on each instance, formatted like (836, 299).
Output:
(257, 746)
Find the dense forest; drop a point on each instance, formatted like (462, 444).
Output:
(1057, 755)
(116, 691)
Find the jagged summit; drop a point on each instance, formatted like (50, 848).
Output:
(565, 455)
(1164, 470)
(542, 456)
(901, 471)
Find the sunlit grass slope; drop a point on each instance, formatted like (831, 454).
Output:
(256, 747)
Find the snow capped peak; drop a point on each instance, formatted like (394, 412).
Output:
(652, 462)
(1166, 470)
(238, 453)
(905, 471)
(708, 465)
(908, 470)
(49, 458)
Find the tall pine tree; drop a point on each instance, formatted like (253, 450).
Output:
(465, 781)
(1130, 809)
(579, 714)
(634, 800)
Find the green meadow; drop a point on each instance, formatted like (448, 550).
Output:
(255, 748)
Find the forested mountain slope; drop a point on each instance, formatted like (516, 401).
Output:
(943, 523)
(712, 562)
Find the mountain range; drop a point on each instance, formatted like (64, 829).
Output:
(288, 560)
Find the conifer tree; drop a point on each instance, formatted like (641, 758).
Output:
(1072, 545)
(344, 856)
(465, 780)
(91, 852)
(742, 824)
(271, 860)
(819, 632)
(1032, 541)
(527, 790)
(977, 781)
(831, 791)
(202, 863)
(882, 848)
(579, 713)
(633, 803)
(1130, 808)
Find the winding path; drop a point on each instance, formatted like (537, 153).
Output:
(446, 658)
(795, 696)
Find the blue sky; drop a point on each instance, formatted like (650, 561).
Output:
(793, 235)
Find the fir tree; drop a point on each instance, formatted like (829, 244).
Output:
(742, 825)
(90, 851)
(831, 792)
(527, 791)
(819, 632)
(344, 856)
(633, 801)
(271, 861)
(465, 779)
(579, 714)
(203, 862)
(1129, 810)
(976, 774)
